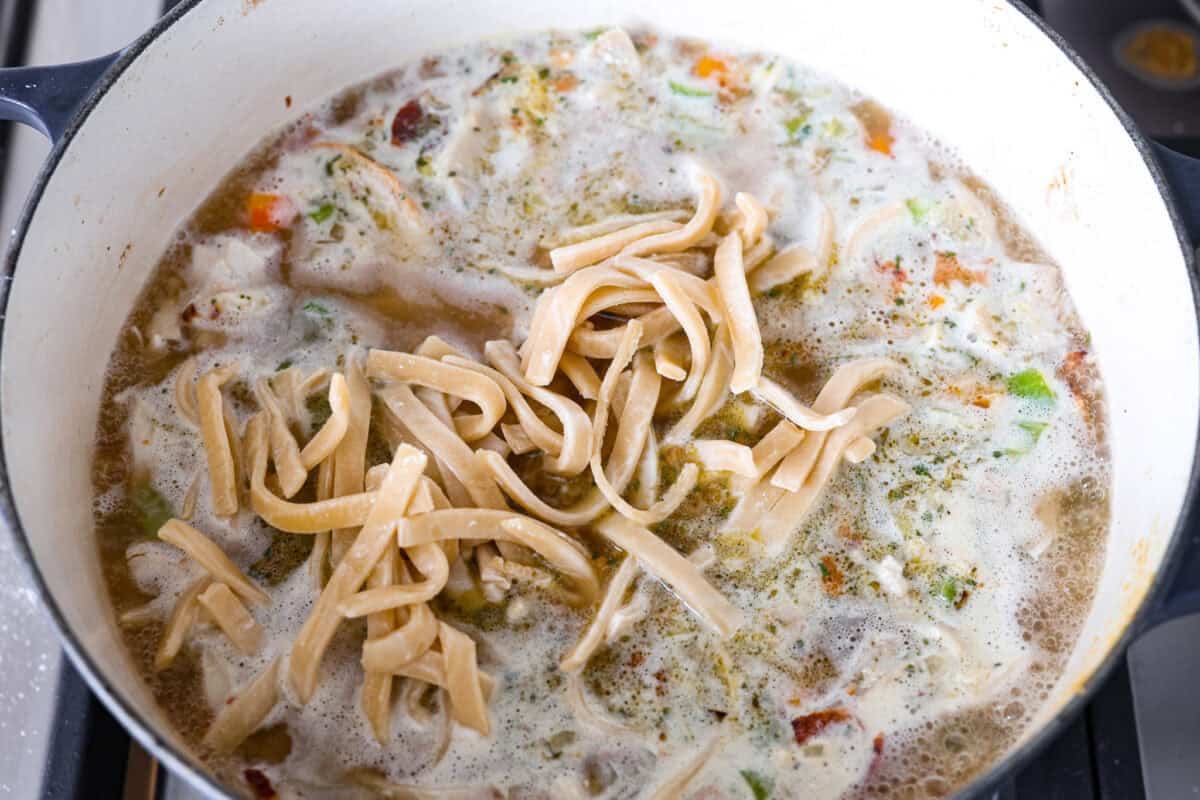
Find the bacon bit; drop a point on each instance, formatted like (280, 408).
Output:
(877, 745)
(832, 578)
(936, 301)
(1080, 376)
(269, 212)
(287, 101)
(877, 126)
(407, 124)
(947, 270)
(260, 783)
(189, 313)
(708, 65)
(810, 725)
(565, 82)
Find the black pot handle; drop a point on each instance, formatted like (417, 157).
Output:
(1181, 595)
(46, 98)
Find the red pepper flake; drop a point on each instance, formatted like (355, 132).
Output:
(810, 725)
(877, 745)
(190, 313)
(947, 270)
(898, 275)
(407, 124)
(260, 784)
(661, 688)
(636, 659)
(832, 578)
(287, 101)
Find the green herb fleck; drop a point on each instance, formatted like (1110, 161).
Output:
(921, 469)
(152, 508)
(509, 79)
(687, 91)
(329, 165)
(321, 214)
(593, 34)
(1030, 385)
(544, 73)
(424, 166)
(833, 128)
(1033, 428)
(316, 308)
(285, 364)
(917, 209)
(795, 127)
(824, 569)
(760, 787)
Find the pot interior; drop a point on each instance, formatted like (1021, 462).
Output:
(982, 79)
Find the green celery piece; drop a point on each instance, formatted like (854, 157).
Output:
(1031, 385)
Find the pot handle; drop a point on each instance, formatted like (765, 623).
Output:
(46, 98)
(1181, 592)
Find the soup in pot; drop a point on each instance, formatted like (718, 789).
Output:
(601, 414)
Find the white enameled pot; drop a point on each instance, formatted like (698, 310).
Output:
(181, 105)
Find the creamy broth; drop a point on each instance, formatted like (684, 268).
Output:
(894, 645)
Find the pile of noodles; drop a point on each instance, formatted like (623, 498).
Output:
(681, 338)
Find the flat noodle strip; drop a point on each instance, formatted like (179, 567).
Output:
(576, 428)
(322, 445)
(753, 257)
(540, 435)
(581, 374)
(350, 457)
(774, 395)
(518, 440)
(788, 264)
(563, 553)
(285, 452)
(462, 679)
(610, 224)
(583, 512)
(701, 292)
(613, 299)
(647, 473)
(778, 442)
(681, 575)
(185, 392)
(859, 450)
(698, 226)
(406, 643)
(222, 476)
(323, 515)
(725, 456)
(572, 257)
(845, 382)
(593, 636)
(754, 218)
(693, 327)
(205, 552)
(584, 713)
(591, 343)
(712, 391)
(560, 313)
(321, 544)
(447, 378)
(451, 449)
(436, 569)
(670, 357)
(376, 534)
(232, 618)
(790, 510)
(377, 686)
(495, 444)
(739, 312)
(431, 668)
(183, 616)
(437, 348)
(187, 509)
(238, 719)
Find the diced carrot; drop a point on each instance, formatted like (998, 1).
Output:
(269, 212)
(936, 301)
(881, 143)
(707, 65)
(565, 82)
(947, 270)
(832, 577)
(810, 725)
(982, 402)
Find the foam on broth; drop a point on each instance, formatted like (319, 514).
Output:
(932, 597)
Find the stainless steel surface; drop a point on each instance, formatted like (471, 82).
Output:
(1163, 665)
(30, 658)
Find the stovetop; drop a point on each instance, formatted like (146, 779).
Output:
(1138, 738)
